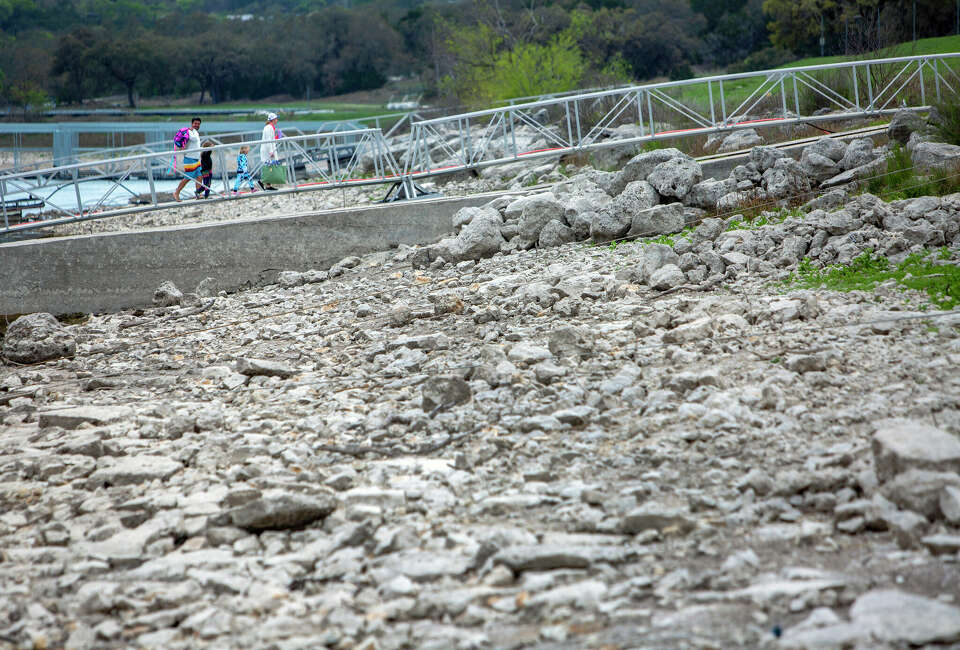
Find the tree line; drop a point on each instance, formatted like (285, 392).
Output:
(469, 52)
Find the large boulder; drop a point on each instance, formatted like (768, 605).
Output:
(555, 234)
(658, 220)
(464, 216)
(899, 445)
(536, 213)
(928, 156)
(740, 140)
(636, 197)
(829, 148)
(785, 179)
(640, 167)
(37, 337)
(878, 166)
(738, 199)
(817, 166)
(609, 223)
(765, 157)
(478, 239)
(676, 177)
(705, 194)
(614, 219)
(859, 152)
(655, 257)
(903, 124)
(514, 209)
(588, 202)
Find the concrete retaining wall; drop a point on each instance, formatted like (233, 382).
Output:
(114, 271)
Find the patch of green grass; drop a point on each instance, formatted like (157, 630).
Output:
(765, 218)
(901, 180)
(941, 282)
(671, 239)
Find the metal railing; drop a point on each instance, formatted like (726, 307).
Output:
(326, 160)
(782, 97)
(548, 127)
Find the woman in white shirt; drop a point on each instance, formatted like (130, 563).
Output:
(268, 150)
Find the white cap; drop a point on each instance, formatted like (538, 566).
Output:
(271, 117)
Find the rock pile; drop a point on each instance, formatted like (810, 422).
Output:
(508, 439)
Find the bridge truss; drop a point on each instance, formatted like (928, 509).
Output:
(547, 127)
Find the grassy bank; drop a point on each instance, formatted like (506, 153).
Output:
(738, 90)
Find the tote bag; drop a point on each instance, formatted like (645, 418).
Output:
(274, 174)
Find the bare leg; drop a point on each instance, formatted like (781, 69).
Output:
(176, 192)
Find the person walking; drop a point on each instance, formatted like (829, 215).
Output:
(243, 170)
(268, 149)
(206, 169)
(191, 157)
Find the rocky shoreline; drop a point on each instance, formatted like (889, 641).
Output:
(521, 436)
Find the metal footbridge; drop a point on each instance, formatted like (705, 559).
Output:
(548, 127)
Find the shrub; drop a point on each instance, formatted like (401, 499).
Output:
(945, 118)
(765, 59)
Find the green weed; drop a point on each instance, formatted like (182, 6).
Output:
(671, 239)
(941, 282)
(765, 218)
(946, 120)
(901, 180)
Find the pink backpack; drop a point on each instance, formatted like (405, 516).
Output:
(181, 138)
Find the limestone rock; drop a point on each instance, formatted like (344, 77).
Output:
(555, 233)
(641, 165)
(765, 157)
(903, 124)
(263, 367)
(676, 177)
(443, 392)
(859, 152)
(37, 337)
(900, 445)
(167, 295)
(132, 470)
(829, 148)
(786, 178)
(930, 156)
(919, 490)
(740, 140)
(72, 417)
(658, 220)
(705, 194)
(282, 511)
(895, 616)
(537, 212)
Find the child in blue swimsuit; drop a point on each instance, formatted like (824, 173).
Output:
(243, 170)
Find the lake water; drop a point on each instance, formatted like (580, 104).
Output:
(93, 191)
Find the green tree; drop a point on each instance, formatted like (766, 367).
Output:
(795, 24)
(216, 60)
(532, 69)
(27, 95)
(76, 60)
(127, 58)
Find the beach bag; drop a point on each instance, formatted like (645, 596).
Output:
(273, 174)
(181, 138)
